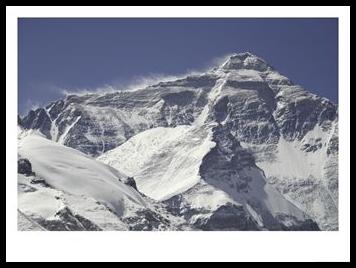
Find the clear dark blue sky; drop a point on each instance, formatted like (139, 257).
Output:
(90, 53)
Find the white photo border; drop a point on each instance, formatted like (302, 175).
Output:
(178, 246)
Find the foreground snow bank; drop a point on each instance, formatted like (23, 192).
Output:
(69, 170)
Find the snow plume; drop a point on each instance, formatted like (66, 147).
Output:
(140, 82)
(147, 80)
(136, 83)
(84, 91)
(33, 105)
(218, 61)
(143, 81)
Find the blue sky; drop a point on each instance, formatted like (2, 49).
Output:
(72, 54)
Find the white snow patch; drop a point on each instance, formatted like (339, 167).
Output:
(54, 130)
(207, 197)
(244, 75)
(292, 162)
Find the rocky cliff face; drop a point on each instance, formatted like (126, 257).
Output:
(264, 149)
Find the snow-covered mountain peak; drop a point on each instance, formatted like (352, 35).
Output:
(245, 60)
(231, 136)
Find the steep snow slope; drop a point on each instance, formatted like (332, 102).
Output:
(163, 161)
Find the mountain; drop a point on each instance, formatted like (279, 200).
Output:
(238, 147)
